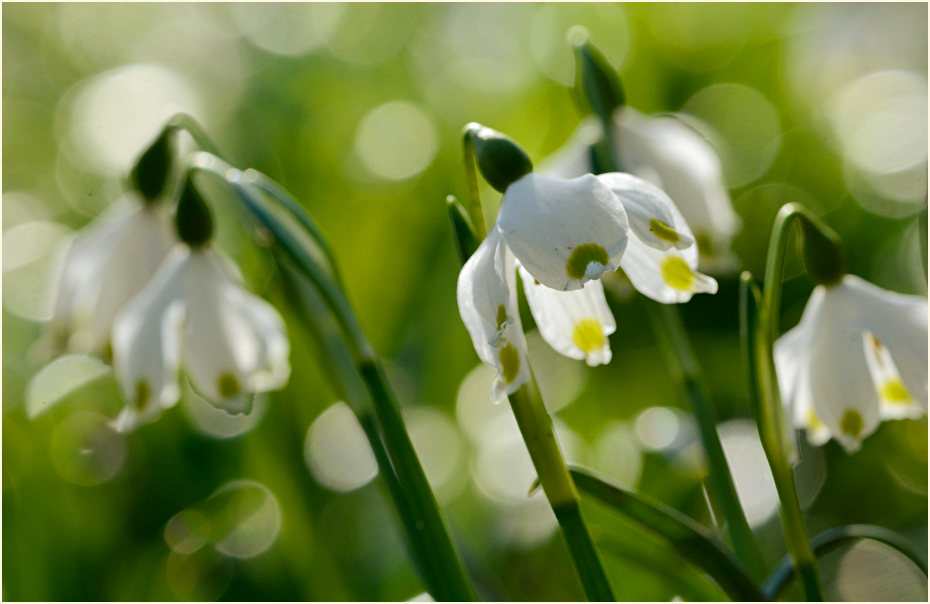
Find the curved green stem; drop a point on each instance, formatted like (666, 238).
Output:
(833, 538)
(770, 419)
(536, 427)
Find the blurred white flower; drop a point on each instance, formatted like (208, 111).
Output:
(108, 263)
(858, 356)
(564, 234)
(195, 315)
(668, 153)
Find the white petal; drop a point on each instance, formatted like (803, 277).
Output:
(564, 232)
(684, 165)
(106, 266)
(574, 323)
(234, 343)
(899, 321)
(488, 305)
(651, 212)
(792, 367)
(841, 387)
(894, 399)
(147, 342)
(668, 277)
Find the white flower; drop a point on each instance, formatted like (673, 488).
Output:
(195, 315)
(564, 234)
(107, 264)
(858, 356)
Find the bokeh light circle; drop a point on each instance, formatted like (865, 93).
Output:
(85, 450)
(396, 140)
(337, 452)
(742, 125)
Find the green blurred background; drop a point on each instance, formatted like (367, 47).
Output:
(357, 109)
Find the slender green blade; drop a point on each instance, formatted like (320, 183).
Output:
(692, 541)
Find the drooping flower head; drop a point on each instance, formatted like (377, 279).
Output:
(563, 234)
(194, 315)
(858, 356)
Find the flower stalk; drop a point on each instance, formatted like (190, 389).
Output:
(536, 428)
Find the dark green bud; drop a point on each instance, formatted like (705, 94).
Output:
(192, 218)
(465, 240)
(822, 252)
(500, 159)
(595, 78)
(151, 171)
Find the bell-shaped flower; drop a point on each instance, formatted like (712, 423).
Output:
(858, 356)
(565, 232)
(574, 323)
(194, 315)
(108, 263)
(487, 300)
(661, 258)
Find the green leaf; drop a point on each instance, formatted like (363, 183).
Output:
(692, 541)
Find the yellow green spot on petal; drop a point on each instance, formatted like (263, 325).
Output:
(813, 422)
(851, 423)
(510, 363)
(228, 385)
(663, 231)
(142, 394)
(588, 335)
(582, 256)
(501, 316)
(893, 391)
(677, 274)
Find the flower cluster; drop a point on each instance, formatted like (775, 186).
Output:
(562, 235)
(158, 301)
(858, 356)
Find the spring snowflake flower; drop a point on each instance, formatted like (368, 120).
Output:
(858, 356)
(563, 234)
(195, 315)
(107, 264)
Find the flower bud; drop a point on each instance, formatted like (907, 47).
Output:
(822, 253)
(192, 219)
(150, 173)
(595, 77)
(500, 159)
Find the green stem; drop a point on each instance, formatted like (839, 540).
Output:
(186, 122)
(474, 208)
(831, 539)
(536, 427)
(667, 325)
(770, 419)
